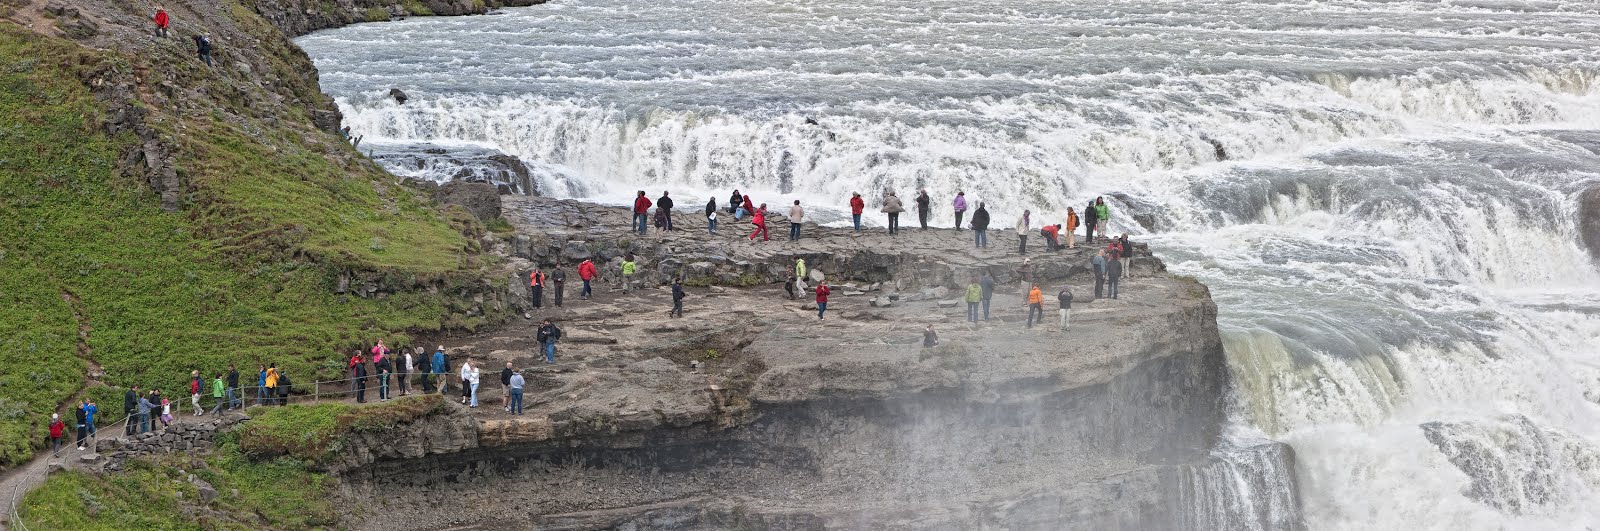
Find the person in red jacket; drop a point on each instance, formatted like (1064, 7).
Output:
(749, 208)
(760, 221)
(56, 427)
(587, 272)
(822, 298)
(856, 206)
(641, 213)
(161, 22)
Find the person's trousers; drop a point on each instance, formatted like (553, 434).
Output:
(760, 230)
(536, 293)
(972, 312)
(739, 213)
(233, 398)
(221, 403)
(1099, 285)
(474, 394)
(1072, 239)
(586, 290)
(144, 422)
(400, 382)
(1035, 314)
(550, 352)
(90, 426)
(894, 223)
(1065, 314)
(55, 442)
(980, 238)
(516, 401)
(822, 307)
(627, 283)
(711, 226)
(922, 218)
(640, 222)
(794, 231)
(1050, 243)
(1088, 232)
(986, 308)
(1022, 244)
(666, 218)
(261, 395)
(131, 424)
(677, 308)
(83, 435)
(206, 56)
(1126, 270)
(195, 400)
(427, 383)
(361, 391)
(1111, 287)
(856, 219)
(958, 218)
(383, 387)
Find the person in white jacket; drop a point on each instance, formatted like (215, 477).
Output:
(1022, 232)
(469, 380)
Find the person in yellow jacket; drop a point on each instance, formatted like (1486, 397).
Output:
(272, 383)
(1072, 225)
(1035, 305)
(974, 296)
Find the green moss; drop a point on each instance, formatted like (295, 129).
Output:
(314, 433)
(416, 7)
(377, 14)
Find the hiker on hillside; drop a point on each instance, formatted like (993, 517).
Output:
(759, 220)
(856, 206)
(987, 283)
(162, 21)
(587, 272)
(677, 298)
(284, 387)
(402, 372)
(515, 384)
(202, 48)
(1126, 256)
(1035, 306)
(558, 279)
(219, 393)
(270, 383)
(1065, 298)
(711, 216)
(130, 407)
(960, 204)
(733, 203)
(924, 207)
(1023, 225)
(440, 365)
(892, 207)
(1070, 228)
(974, 296)
(1089, 219)
(1113, 277)
(385, 369)
(822, 298)
(81, 416)
(90, 409)
(536, 280)
(469, 383)
(980, 227)
(235, 400)
(195, 385)
(629, 267)
(360, 379)
(1102, 216)
(795, 215)
(56, 427)
(548, 335)
(1098, 264)
(641, 213)
(930, 338)
(664, 210)
(505, 386)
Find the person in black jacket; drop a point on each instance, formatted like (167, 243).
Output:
(980, 226)
(383, 368)
(677, 298)
(711, 216)
(83, 421)
(235, 400)
(664, 206)
(1113, 276)
(1065, 298)
(130, 406)
(361, 383)
(924, 205)
(202, 48)
(425, 368)
(1091, 217)
(734, 201)
(505, 386)
(559, 277)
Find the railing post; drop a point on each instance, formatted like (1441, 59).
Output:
(316, 390)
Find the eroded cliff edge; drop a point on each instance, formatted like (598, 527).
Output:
(795, 423)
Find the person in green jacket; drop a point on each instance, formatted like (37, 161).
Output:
(219, 392)
(1102, 216)
(629, 267)
(974, 295)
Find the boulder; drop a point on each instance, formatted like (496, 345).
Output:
(399, 96)
(882, 302)
(815, 276)
(809, 306)
(949, 303)
(482, 200)
(1589, 220)
(207, 492)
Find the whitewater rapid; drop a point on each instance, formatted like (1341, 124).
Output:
(1390, 238)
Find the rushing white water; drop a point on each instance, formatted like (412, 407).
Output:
(1390, 237)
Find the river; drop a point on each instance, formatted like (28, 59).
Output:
(1381, 194)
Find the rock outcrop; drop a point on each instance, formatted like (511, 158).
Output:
(1589, 219)
(178, 438)
(299, 17)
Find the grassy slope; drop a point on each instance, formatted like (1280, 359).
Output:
(244, 275)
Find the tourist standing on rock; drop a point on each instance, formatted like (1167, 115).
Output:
(425, 369)
(505, 386)
(641, 213)
(856, 206)
(711, 215)
(469, 380)
(559, 279)
(1114, 251)
(892, 207)
(516, 383)
(980, 226)
(536, 280)
(759, 220)
(548, 335)
(587, 272)
(960, 204)
(1023, 225)
(1035, 306)
(974, 296)
(677, 298)
(81, 416)
(402, 372)
(195, 385)
(795, 215)
(360, 379)
(930, 338)
(56, 427)
(219, 393)
(1102, 216)
(1065, 298)
(1072, 225)
(1098, 263)
(440, 366)
(822, 298)
(987, 283)
(202, 48)
(924, 207)
(1126, 256)
(162, 21)
(235, 400)
(1113, 277)
(629, 267)
(788, 285)
(733, 203)
(800, 271)
(664, 209)
(130, 407)
(1089, 217)
(1025, 274)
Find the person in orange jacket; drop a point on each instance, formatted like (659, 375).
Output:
(1035, 305)
(536, 280)
(588, 273)
(1072, 225)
